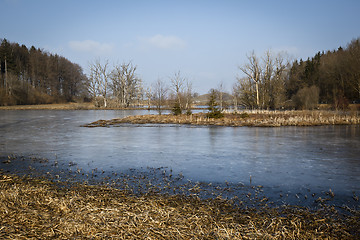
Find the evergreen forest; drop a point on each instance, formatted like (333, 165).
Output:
(34, 76)
(336, 75)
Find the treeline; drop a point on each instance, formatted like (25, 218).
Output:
(120, 86)
(117, 86)
(336, 75)
(34, 76)
(274, 82)
(271, 81)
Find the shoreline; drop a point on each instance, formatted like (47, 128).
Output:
(77, 106)
(243, 119)
(39, 208)
(62, 106)
(165, 181)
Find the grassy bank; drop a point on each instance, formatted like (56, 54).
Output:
(39, 209)
(256, 118)
(60, 106)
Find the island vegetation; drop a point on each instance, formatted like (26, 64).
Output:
(261, 118)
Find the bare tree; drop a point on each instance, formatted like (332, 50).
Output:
(139, 93)
(220, 94)
(188, 96)
(253, 71)
(281, 71)
(125, 84)
(149, 96)
(264, 85)
(246, 93)
(92, 86)
(160, 91)
(236, 91)
(177, 86)
(266, 80)
(99, 79)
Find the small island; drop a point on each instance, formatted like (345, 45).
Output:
(246, 118)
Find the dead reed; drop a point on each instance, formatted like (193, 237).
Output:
(34, 208)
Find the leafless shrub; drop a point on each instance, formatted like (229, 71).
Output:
(307, 98)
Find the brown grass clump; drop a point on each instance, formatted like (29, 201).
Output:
(33, 208)
(251, 118)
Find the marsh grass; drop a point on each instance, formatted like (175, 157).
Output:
(35, 208)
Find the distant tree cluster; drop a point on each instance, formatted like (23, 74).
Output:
(118, 85)
(273, 82)
(178, 95)
(336, 75)
(33, 76)
(264, 84)
(181, 96)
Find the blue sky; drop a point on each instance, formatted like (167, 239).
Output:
(205, 40)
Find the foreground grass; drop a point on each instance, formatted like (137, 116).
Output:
(257, 118)
(40, 209)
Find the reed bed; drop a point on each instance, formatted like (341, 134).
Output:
(249, 118)
(35, 208)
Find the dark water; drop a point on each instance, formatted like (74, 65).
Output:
(290, 160)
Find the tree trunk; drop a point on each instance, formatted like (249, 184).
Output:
(257, 94)
(5, 79)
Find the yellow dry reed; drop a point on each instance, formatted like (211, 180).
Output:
(34, 208)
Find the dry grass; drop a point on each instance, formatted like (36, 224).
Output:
(33, 208)
(60, 106)
(66, 106)
(254, 118)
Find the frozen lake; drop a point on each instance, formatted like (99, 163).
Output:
(285, 159)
